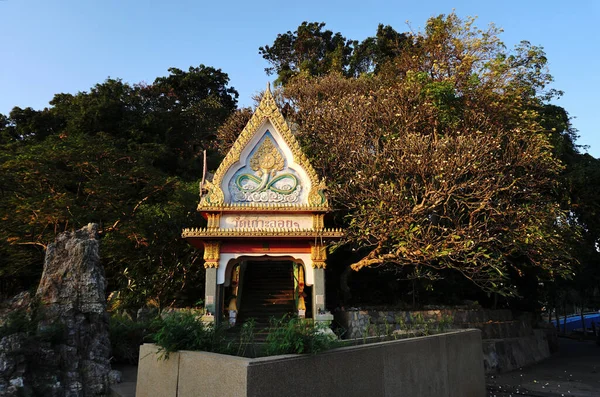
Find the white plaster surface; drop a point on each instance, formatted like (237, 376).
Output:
(285, 150)
(264, 221)
(305, 259)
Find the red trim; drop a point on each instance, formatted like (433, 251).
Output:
(197, 243)
(264, 246)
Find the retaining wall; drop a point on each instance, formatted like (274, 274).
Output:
(444, 365)
(509, 343)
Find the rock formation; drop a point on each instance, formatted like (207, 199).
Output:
(68, 352)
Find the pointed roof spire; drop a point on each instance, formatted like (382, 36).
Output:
(267, 110)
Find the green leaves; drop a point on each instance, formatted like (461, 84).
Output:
(125, 156)
(313, 51)
(186, 331)
(297, 336)
(452, 121)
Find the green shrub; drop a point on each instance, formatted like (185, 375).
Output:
(297, 336)
(417, 325)
(31, 323)
(246, 340)
(186, 331)
(126, 336)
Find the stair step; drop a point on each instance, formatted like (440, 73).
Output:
(254, 299)
(267, 292)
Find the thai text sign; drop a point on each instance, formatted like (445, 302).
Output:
(266, 221)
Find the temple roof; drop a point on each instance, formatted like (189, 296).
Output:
(265, 188)
(265, 170)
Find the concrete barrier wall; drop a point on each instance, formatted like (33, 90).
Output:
(502, 355)
(445, 365)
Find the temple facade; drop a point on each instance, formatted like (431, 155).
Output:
(265, 240)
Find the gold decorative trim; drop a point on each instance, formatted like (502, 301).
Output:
(212, 253)
(266, 232)
(267, 159)
(213, 220)
(214, 196)
(267, 110)
(318, 221)
(318, 254)
(259, 207)
(316, 196)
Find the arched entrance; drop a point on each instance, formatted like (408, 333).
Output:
(265, 287)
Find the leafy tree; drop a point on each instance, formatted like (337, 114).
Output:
(125, 156)
(312, 51)
(577, 195)
(231, 129)
(440, 161)
(373, 53)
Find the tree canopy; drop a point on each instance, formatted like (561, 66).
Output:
(440, 155)
(445, 161)
(127, 156)
(312, 51)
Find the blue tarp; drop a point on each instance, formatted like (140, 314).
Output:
(574, 322)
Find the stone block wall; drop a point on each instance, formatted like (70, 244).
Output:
(509, 342)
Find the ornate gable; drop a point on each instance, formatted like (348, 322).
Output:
(265, 168)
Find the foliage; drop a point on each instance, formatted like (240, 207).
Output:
(417, 324)
(247, 336)
(407, 326)
(444, 157)
(35, 329)
(579, 197)
(312, 51)
(231, 129)
(126, 336)
(17, 322)
(309, 49)
(125, 156)
(186, 331)
(297, 336)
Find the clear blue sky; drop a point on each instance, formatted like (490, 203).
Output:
(48, 47)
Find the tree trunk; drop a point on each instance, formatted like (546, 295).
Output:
(565, 319)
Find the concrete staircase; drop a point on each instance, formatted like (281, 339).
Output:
(267, 292)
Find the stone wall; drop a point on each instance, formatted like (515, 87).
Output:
(509, 342)
(444, 365)
(360, 323)
(500, 355)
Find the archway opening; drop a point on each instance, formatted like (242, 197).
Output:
(266, 288)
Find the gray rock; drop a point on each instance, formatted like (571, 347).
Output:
(115, 377)
(12, 366)
(65, 350)
(72, 293)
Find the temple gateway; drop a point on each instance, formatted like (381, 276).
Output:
(265, 241)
